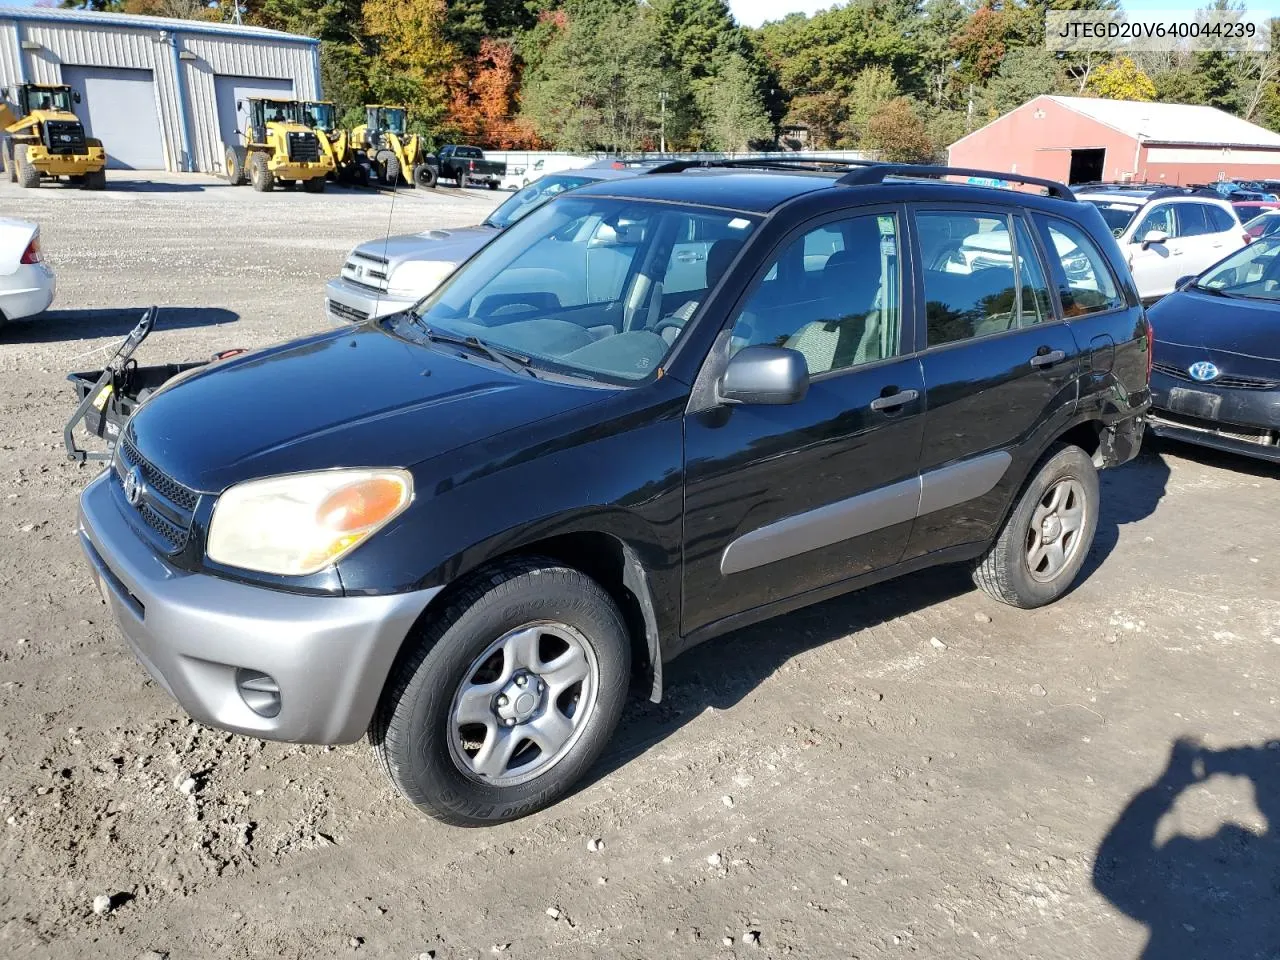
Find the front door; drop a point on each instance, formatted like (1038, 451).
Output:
(780, 500)
(1156, 267)
(997, 357)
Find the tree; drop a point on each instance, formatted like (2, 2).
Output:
(1178, 85)
(872, 88)
(733, 113)
(1025, 74)
(897, 133)
(940, 22)
(1120, 79)
(412, 57)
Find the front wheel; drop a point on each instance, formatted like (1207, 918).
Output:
(94, 181)
(1046, 538)
(314, 185)
(424, 175)
(511, 695)
(260, 174)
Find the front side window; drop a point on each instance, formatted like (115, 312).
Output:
(1085, 283)
(832, 294)
(579, 286)
(1158, 218)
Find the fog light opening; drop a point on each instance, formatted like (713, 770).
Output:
(259, 691)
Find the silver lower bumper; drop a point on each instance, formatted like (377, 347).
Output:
(330, 656)
(346, 303)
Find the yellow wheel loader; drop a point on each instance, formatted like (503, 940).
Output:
(320, 116)
(385, 149)
(277, 146)
(44, 138)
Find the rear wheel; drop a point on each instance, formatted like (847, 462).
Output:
(493, 184)
(28, 176)
(314, 185)
(1046, 538)
(260, 174)
(424, 175)
(8, 162)
(94, 181)
(235, 166)
(511, 695)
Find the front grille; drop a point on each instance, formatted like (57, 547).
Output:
(347, 313)
(1229, 381)
(64, 136)
(365, 271)
(165, 505)
(303, 147)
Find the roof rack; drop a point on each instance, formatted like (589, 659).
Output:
(877, 172)
(767, 163)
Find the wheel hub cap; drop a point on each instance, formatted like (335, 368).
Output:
(1051, 530)
(519, 700)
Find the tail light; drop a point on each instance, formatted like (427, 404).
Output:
(32, 253)
(1151, 346)
(471, 164)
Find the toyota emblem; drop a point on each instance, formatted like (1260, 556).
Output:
(133, 486)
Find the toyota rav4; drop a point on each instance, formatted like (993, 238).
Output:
(650, 412)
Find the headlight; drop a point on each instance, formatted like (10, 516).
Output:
(298, 524)
(417, 278)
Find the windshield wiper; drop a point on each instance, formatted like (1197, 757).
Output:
(515, 362)
(1213, 290)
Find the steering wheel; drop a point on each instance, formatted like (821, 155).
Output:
(668, 324)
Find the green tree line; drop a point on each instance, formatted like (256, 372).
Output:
(902, 78)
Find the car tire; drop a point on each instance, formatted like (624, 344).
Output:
(97, 180)
(260, 174)
(424, 176)
(421, 733)
(1046, 538)
(388, 168)
(28, 176)
(493, 184)
(314, 185)
(9, 166)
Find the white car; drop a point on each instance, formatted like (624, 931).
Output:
(1166, 233)
(26, 281)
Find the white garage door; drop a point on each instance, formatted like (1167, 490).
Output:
(230, 90)
(118, 106)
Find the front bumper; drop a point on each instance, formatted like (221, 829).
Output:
(192, 632)
(1237, 420)
(345, 302)
(67, 164)
(29, 291)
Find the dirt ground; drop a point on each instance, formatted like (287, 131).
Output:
(909, 770)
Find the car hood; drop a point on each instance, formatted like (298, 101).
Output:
(1239, 336)
(453, 245)
(352, 397)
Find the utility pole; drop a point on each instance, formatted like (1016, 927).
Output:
(968, 120)
(662, 136)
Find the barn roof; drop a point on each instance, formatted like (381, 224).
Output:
(95, 19)
(1172, 122)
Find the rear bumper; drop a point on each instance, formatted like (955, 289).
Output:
(287, 170)
(67, 164)
(330, 656)
(344, 302)
(30, 291)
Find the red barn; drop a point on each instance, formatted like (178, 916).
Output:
(1082, 139)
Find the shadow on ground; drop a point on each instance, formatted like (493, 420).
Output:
(59, 325)
(1201, 898)
(722, 672)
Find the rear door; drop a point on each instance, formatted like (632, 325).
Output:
(998, 363)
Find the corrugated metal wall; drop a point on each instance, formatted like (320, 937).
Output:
(240, 58)
(109, 46)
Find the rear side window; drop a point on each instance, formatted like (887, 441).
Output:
(1085, 283)
(1192, 221)
(1219, 220)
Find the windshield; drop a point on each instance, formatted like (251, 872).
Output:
(318, 116)
(528, 199)
(1252, 271)
(393, 119)
(51, 100)
(280, 111)
(1117, 215)
(590, 286)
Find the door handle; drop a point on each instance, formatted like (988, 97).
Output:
(899, 399)
(688, 256)
(1048, 359)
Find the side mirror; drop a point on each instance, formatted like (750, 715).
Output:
(75, 95)
(1154, 236)
(239, 104)
(764, 375)
(1184, 282)
(4, 93)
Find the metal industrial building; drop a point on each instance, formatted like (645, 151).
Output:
(159, 93)
(1081, 139)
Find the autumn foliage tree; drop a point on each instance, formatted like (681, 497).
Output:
(413, 60)
(483, 98)
(1121, 79)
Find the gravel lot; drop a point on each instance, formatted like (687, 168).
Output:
(909, 770)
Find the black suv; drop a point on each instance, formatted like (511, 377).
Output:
(652, 411)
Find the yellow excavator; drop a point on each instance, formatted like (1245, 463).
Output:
(44, 138)
(277, 146)
(320, 116)
(384, 147)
